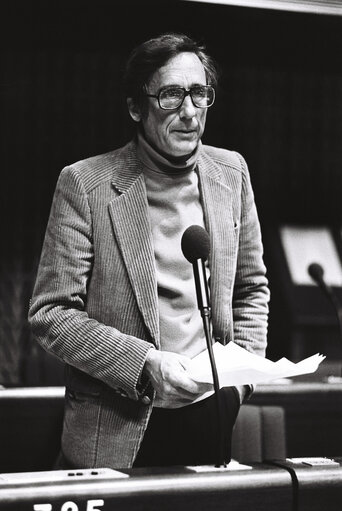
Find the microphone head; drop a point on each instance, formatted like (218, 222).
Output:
(195, 243)
(315, 271)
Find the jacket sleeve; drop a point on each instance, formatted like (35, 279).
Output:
(251, 293)
(57, 313)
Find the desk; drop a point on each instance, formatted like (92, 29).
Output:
(316, 488)
(263, 488)
(30, 427)
(313, 415)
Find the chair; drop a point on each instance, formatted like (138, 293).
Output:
(259, 434)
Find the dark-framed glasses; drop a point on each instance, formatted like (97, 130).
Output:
(172, 97)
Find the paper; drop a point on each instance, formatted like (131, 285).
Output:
(232, 465)
(315, 462)
(84, 474)
(237, 366)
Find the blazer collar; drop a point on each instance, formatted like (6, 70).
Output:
(208, 167)
(127, 167)
(217, 206)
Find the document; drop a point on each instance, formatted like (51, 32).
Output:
(237, 366)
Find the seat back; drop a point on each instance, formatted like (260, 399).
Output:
(259, 434)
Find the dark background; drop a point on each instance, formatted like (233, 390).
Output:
(279, 103)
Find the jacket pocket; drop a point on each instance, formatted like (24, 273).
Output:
(79, 382)
(82, 396)
(81, 427)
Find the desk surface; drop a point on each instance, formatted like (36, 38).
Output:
(282, 485)
(291, 387)
(284, 387)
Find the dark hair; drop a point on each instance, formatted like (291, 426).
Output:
(151, 55)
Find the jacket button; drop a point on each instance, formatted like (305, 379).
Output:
(145, 400)
(121, 392)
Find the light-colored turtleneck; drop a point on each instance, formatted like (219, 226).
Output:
(174, 204)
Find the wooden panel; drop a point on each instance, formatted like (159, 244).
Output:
(278, 103)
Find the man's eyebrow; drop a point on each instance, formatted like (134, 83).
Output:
(181, 86)
(170, 85)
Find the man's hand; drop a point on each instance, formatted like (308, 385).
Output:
(167, 372)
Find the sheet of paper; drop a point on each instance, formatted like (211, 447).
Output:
(232, 465)
(237, 366)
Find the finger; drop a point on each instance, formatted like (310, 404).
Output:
(191, 389)
(184, 361)
(205, 387)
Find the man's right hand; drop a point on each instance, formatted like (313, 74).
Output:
(167, 372)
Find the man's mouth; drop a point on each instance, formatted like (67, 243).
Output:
(187, 132)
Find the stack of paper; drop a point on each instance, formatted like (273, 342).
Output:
(237, 366)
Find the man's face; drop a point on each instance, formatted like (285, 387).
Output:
(175, 133)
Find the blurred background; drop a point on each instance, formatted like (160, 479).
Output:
(279, 103)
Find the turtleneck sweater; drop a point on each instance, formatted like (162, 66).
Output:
(174, 204)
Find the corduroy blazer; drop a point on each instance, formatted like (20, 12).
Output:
(95, 302)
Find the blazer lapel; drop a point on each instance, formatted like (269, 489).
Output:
(217, 205)
(130, 219)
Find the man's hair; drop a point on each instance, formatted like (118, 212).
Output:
(153, 54)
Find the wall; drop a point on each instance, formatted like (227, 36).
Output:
(279, 104)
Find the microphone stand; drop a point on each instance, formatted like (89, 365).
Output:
(336, 304)
(204, 307)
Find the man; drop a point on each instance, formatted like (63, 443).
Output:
(115, 298)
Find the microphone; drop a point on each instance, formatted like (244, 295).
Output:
(316, 272)
(195, 246)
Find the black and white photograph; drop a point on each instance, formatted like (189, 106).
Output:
(171, 255)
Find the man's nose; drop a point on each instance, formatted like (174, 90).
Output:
(188, 109)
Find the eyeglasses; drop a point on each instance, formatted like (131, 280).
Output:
(171, 97)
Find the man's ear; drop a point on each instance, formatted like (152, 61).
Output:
(134, 110)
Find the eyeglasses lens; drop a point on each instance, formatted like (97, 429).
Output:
(202, 97)
(172, 97)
